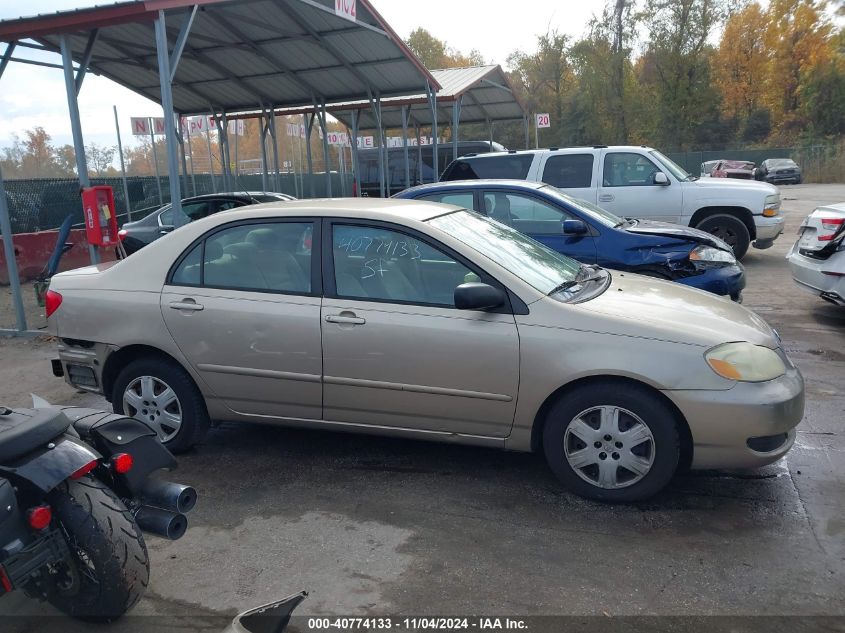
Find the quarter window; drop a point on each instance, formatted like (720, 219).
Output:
(569, 171)
(625, 169)
(374, 263)
(263, 257)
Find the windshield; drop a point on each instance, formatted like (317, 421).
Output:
(534, 263)
(676, 170)
(782, 162)
(588, 208)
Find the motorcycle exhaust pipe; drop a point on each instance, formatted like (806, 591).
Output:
(170, 525)
(163, 494)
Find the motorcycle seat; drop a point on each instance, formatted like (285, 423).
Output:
(23, 430)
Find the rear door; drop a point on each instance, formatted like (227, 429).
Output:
(243, 305)
(572, 173)
(627, 188)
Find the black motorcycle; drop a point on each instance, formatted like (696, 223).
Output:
(75, 495)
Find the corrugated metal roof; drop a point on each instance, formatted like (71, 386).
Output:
(239, 53)
(485, 92)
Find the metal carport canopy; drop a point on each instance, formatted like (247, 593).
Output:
(485, 92)
(237, 53)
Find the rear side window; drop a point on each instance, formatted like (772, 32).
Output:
(508, 166)
(569, 171)
(272, 257)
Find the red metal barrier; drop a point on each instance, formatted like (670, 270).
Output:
(33, 250)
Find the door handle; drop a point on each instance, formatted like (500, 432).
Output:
(188, 305)
(606, 197)
(347, 319)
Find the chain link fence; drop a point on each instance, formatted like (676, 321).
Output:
(43, 204)
(819, 163)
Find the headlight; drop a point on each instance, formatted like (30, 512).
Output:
(710, 255)
(745, 362)
(772, 206)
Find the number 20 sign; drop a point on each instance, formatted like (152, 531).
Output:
(543, 120)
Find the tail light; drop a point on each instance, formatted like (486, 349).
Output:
(830, 224)
(121, 234)
(4, 581)
(39, 517)
(87, 468)
(122, 463)
(52, 301)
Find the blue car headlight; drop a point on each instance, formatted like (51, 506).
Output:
(707, 256)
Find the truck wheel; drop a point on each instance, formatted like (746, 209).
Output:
(729, 228)
(612, 442)
(163, 396)
(112, 568)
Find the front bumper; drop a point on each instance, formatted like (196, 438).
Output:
(768, 230)
(722, 422)
(809, 274)
(726, 280)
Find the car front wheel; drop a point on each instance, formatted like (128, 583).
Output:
(612, 442)
(163, 396)
(730, 229)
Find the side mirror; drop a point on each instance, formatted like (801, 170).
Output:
(574, 227)
(478, 296)
(166, 228)
(661, 179)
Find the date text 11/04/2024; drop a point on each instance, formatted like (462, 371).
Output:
(416, 623)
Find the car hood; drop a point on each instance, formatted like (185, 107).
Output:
(649, 227)
(653, 308)
(739, 185)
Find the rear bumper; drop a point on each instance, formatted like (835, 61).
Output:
(723, 423)
(810, 275)
(81, 367)
(728, 280)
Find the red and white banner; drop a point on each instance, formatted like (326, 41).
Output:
(345, 9)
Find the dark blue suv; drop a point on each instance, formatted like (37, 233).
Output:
(592, 235)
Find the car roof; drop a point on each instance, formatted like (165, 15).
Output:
(352, 208)
(526, 185)
(550, 150)
(233, 194)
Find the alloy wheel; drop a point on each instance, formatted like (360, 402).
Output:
(153, 402)
(609, 447)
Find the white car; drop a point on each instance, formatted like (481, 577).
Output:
(817, 259)
(640, 182)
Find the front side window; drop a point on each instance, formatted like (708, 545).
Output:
(569, 171)
(375, 263)
(525, 213)
(626, 169)
(261, 257)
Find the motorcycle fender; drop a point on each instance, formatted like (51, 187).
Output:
(48, 467)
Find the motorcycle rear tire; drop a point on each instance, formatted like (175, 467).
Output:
(111, 557)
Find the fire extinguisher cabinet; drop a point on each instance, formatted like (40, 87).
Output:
(100, 215)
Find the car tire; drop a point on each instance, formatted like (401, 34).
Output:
(577, 422)
(729, 228)
(179, 416)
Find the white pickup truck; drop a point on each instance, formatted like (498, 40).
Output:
(640, 182)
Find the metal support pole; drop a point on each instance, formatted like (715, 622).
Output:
(419, 153)
(155, 160)
(210, 159)
(456, 124)
(262, 134)
(191, 157)
(356, 173)
(405, 146)
(180, 131)
(309, 123)
(525, 128)
(76, 127)
(237, 150)
(326, 157)
(490, 128)
(163, 50)
(385, 151)
(122, 167)
(223, 141)
(432, 101)
(272, 124)
(11, 262)
(376, 106)
(536, 134)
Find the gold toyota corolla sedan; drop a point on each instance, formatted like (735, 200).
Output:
(423, 320)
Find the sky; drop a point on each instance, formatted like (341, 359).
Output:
(31, 95)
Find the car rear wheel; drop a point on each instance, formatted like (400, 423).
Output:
(163, 396)
(612, 442)
(730, 229)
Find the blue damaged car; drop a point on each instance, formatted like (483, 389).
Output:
(592, 235)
